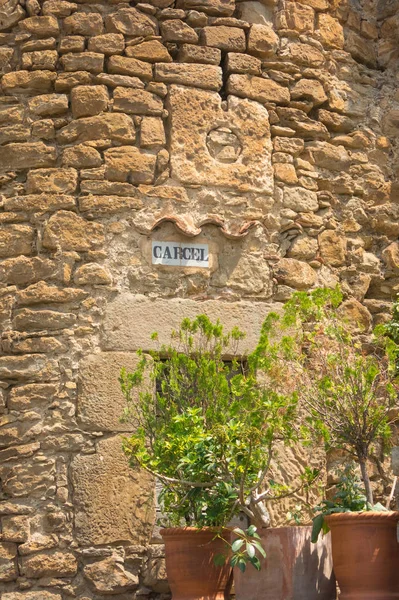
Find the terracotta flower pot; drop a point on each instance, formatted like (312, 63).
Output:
(192, 573)
(294, 568)
(365, 554)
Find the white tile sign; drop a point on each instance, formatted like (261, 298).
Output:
(179, 254)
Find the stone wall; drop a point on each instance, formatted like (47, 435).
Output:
(267, 130)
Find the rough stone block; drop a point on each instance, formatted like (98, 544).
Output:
(44, 202)
(257, 88)
(128, 163)
(206, 151)
(332, 248)
(114, 503)
(138, 102)
(108, 43)
(93, 62)
(88, 24)
(15, 240)
(100, 400)
(81, 156)
(243, 63)
(49, 105)
(132, 22)
(89, 100)
(295, 273)
(32, 396)
(40, 59)
(68, 231)
(61, 181)
(27, 155)
(202, 76)
(152, 133)
(42, 595)
(25, 82)
(190, 53)
(33, 367)
(15, 528)
(109, 126)
(228, 39)
(128, 323)
(40, 320)
(296, 16)
(129, 66)
(73, 43)
(23, 270)
(329, 31)
(222, 8)
(8, 563)
(175, 30)
(49, 564)
(41, 26)
(152, 51)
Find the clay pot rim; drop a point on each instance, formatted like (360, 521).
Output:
(192, 530)
(371, 517)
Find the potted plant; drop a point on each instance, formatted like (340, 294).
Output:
(346, 381)
(207, 430)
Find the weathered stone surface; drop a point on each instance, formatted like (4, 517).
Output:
(113, 81)
(8, 565)
(118, 334)
(329, 31)
(40, 202)
(129, 66)
(39, 320)
(41, 26)
(50, 564)
(296, 16)
(108, 126)
(203, 76)
(229, 39)
(190, 156)
(25, 82)
(81, 156)
(15, 240)
(152, 133)
(332, 248)
(189, 53)
(300, 199)
(67, 231)
(113, 502)
(151, 51)
(27, 155)
(303, 248)
(23, 270)
(100, 400)
(108, 205)
(295, 273)
(41, 595)
(262, 40)
(109, 576)
(49, 105)
(93, 62)
(108, 43)
(66, 81)
(357, 316)
(92, 274)
(89, 100)
(255, 12)
(72, 43)
(138, 102)
(40, 59)
(42, 293)
(31, 396)
(130, 21)
(211, 7)
(175, 30)
(310, 89)
(257, 88)
(80, 23)
(15, 528)
(128, 163)
(32, 367)
(390, 255)
(62, 181)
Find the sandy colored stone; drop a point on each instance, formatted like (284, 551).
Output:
(89, 100)
(189, 53)
(49, 105)
(132, 22)
(108, 205)
(31, 396)
(295, 273)
(390, 256)
(152, 133)
(11, 115)
(25, 82)
(129, 66)
(255, 12)
(52, 180)
(93, 62)
(194, 114)
(289, 145)
(112, 126)
(109, 576)
(335, 122)
(329, 31)
(357, 316)
(8, 564)
(327, 156)
(301, 53)
(11, 17)
(175, 30)
(42, 293)
(229, 39)
(72, 43)
(49, 564)
(66, 81)
(14, 133)
(128, 163)
(211, 7)
(40, 59)
(128, 308)
(257, 88)
(68, 231)
(40, 202)
(27, 155)
(41, 26)
(81, 156)
(152, 51)
(296, 16)
(15, 528)
(138, 102)
(301, 123)
(262, 40)
(100, 401)
(202, 76)
(15, 240)
(332, 248)
(23, 270)
(309, 89)
(113, 502)
(303, 248)
(88, 24)
(92, 274)
(114, 81)
(34, 367)
(26, 319)
(285, 172)
(108, 43)
(41, 595)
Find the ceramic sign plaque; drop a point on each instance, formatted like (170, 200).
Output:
(178, 254)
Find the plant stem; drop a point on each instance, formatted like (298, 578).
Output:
(366, 479)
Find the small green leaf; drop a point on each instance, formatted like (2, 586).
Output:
(260, 548)
(317, 527)
(255, 562)
(250, 550)
(251, 530)
(242, 565)
(236, 545)
(219, 560)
